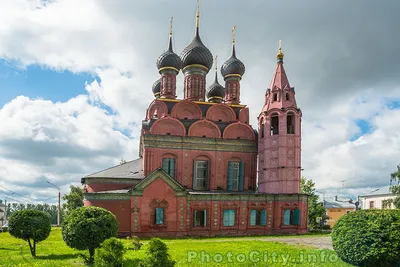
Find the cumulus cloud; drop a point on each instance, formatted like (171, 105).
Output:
(342, 62)
(59, 142)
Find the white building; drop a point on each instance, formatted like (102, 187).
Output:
(376, 199)
(2, 213)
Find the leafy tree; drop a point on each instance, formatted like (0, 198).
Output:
(111, 253)
(395, 186)
(30, 225)
(73, 200)
(46, 208)
(88, 227)
(157, 255)
(315, 208)
(368, 238)
(387, 203)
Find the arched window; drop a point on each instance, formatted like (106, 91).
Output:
(262, 130)
(287, 97)
(235, 175)
(200, 175)
(168, 165)
(274, 124)
(290, 123)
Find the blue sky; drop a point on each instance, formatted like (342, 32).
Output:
(39, 82)
(332, 64)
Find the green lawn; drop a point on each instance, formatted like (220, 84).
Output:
(186, 252)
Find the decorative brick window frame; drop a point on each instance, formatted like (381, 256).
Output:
(260, 207)
(227, 206)
(208, 219)
(291, 207)
(156, 203)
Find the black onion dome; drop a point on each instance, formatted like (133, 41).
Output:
(233, 65)
(197, 53)
(215, 89)
(156, 87)
(169, 58)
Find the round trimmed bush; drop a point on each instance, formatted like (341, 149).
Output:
(88, 227)
(33, 226)
(111, 253)
(157, 255)
(368, 238)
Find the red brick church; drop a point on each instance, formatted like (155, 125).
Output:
(202, 169)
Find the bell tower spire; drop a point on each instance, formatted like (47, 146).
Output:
(279, 124)
(280, 94)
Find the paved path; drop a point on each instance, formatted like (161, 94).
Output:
(321, 242)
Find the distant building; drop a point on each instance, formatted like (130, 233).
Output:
(379, 199)
(335, 210)
(2, 213)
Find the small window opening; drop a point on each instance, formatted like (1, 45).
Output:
(287, 97)
(219, 120)
(168, 133)
(262, 130)
(200, 218)
(204, 136)
(274, 125)
(290, 124)
(238, 137)
(275, 97)
(186, 118)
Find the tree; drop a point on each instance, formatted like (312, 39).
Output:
(88, 227)
(73, 200)
(315, 208)
(30, 225)
(395, 186)
(122, 161)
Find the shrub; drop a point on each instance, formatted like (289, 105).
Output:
(88, 227)
(135, 242)
(158, 255)
(33, 226)
(111, 253)
(368, 238)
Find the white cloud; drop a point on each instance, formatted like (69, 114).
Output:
(365, 163)
(61, 142)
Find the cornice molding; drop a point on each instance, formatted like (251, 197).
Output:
(199, 143)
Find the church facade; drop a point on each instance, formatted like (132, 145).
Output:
(202, 168)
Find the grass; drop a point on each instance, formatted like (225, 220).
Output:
(186, 252)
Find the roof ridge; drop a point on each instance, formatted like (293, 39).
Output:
(112, 167)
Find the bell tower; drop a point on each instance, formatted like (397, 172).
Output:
(279, 144)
